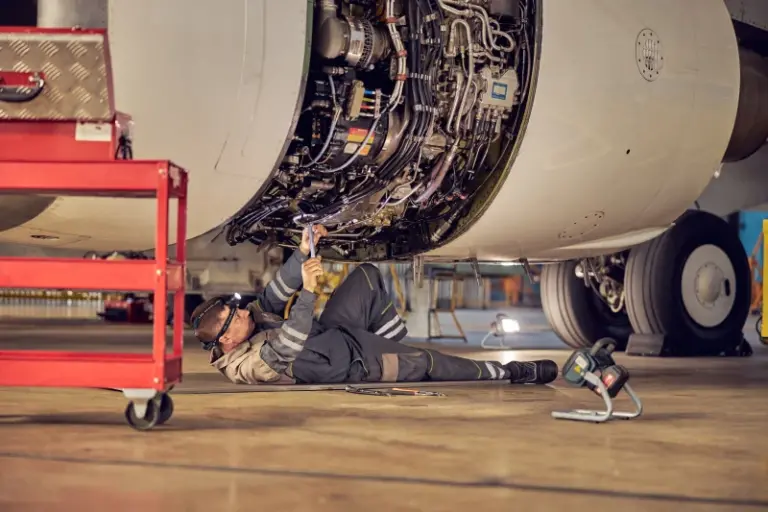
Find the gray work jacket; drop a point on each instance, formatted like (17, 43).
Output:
(267, 355)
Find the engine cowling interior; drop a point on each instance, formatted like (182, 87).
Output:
(409, 118)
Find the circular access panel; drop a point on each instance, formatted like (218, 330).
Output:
(649, 55)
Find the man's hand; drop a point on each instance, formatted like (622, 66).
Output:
(319, 232)
(310, 271)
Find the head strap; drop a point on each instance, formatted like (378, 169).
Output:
(233, 304)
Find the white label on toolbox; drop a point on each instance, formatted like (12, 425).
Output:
(93, 132)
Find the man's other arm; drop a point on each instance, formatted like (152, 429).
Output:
(284, 344)
(285, 283)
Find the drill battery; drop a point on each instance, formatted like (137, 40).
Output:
(598, 361)
(613, 378)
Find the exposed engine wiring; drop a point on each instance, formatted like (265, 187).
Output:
(427, 105)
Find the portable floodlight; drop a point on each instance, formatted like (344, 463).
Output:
(499, 329)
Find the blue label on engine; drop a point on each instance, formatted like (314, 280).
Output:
(499, 91)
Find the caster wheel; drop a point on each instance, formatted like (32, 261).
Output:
(166, 409)
(149, 420)
(159, 411)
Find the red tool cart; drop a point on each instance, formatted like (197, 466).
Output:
(45, 148)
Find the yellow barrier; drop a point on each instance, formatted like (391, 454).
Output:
(764, 305)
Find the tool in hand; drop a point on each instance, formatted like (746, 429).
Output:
(596, 370)
(311, 229)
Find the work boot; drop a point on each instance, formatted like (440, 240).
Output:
(532, 372)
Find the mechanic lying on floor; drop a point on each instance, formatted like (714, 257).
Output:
(356, 338)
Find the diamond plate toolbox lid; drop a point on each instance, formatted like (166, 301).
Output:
(55, 75)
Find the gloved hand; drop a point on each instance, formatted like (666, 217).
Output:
(319, 232)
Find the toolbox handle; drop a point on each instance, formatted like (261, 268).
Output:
(20, 87)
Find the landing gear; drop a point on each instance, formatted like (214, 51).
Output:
(584, 301)
(691, 285)
(686, 292)
(143, 414)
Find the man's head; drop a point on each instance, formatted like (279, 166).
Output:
(210, 317)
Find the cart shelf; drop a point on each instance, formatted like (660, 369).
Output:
(143, 378)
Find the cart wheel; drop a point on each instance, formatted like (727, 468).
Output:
(149, 420)
(166, 408)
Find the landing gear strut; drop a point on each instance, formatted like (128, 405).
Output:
(584, 300)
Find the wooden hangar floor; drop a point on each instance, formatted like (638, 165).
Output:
(700, 445)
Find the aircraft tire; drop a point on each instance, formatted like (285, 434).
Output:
(576, 314)
(691, 284)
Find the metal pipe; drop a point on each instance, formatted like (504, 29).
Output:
(471, 70)
(442, 168)
(459, 85)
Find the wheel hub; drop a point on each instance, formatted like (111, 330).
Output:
(708, 285)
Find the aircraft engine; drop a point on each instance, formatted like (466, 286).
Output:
(409, 110)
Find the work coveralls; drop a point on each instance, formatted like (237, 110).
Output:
(356, 338)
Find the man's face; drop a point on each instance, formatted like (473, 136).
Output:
(239, 328)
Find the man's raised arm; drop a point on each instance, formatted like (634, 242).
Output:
(283, 345)
(288, 278)
(284, 284)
